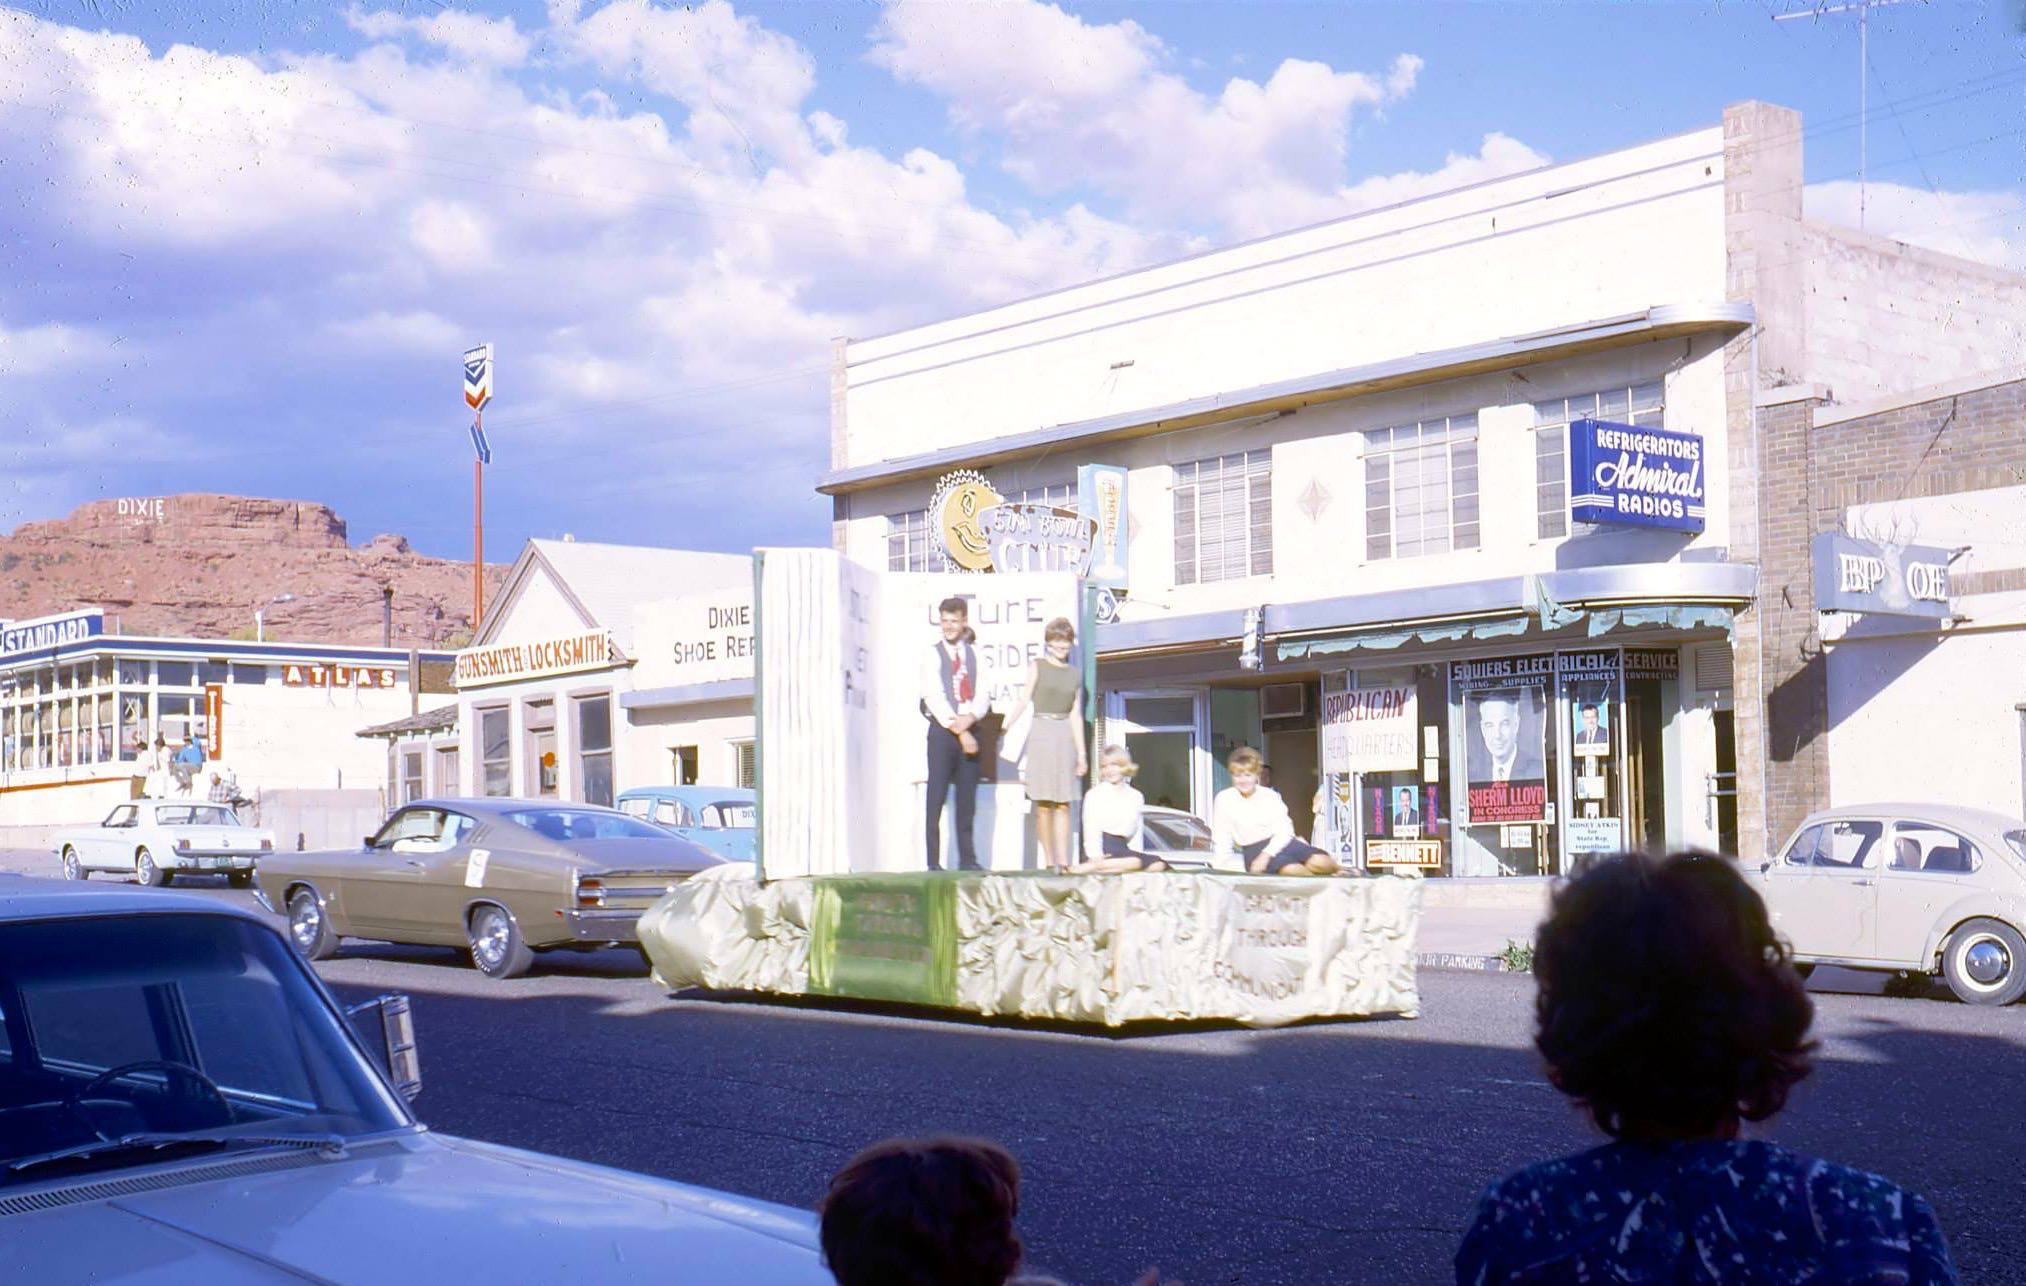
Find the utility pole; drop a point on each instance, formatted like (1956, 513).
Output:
(478, 392)
(1862, 8)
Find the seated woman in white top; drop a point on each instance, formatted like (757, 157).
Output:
(1252, 820)
(1111, 820)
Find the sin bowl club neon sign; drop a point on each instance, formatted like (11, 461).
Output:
(1635, 477)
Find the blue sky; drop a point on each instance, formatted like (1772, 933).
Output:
(243, 244)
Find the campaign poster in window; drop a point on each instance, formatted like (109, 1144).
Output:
(1505, 728)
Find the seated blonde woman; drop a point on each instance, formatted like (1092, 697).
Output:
(1111, 820)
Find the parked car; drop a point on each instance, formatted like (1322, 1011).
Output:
(503, 877)
(724, 819)
(154, 840)
(1180, 839)
(182, 1101)
(1923, 888)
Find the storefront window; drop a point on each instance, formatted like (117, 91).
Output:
(1386, 769)
(594, 749)
(446, 771)
(1421, 488)
(175, 674)
(104, 748)
(249, 674)
(749, 764)
(212, 672)
(411, 776)
(176, 718)
(495, 753)
(133, 673)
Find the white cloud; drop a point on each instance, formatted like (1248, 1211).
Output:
(491, 42)
(1078, 105)
(1989, 227)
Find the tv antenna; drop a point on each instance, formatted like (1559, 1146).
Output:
(1862, 8)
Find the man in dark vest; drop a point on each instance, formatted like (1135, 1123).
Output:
(953, 697)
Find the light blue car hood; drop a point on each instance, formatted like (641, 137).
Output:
(425, 1209)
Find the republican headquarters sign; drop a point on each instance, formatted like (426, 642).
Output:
(1635, 477)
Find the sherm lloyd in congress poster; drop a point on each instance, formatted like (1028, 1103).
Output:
(1505, 723)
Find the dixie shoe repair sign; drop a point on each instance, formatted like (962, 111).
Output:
(1635, 477)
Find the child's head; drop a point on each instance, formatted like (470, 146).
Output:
(1116, 765)
(1244, 765)
(923, 1212)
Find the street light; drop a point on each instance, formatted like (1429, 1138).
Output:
(260, 616)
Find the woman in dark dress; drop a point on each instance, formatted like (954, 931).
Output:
(1668, 1009)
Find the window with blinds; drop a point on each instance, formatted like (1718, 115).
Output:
(1224, 518)
(907, 542)
(1638, 405)
(1421, 488)
(749, 764)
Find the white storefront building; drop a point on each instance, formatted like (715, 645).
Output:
(1348, 456)
(80, 710)
(602, 667)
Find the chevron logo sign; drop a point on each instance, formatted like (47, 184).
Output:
(478, 377)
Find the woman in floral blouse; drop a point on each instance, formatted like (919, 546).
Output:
(1668, 1009)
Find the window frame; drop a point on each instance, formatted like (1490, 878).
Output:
(910, 528)
(1187, 486)
(1384, 454)
(1973, 850)
(582, 756)
(485, 763)
(1551, 439)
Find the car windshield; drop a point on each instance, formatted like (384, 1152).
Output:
(583, 823)
(218, 1021)
(1178, 834)
(196, 815)
(729, 815)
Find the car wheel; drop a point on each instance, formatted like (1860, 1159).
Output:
(73, 868)
(146, 872)
(1985, 963)
(308, 927)
(497, 947)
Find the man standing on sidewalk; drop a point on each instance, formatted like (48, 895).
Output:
(953, 698)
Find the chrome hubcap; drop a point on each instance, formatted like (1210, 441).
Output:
(304, 922)
(489, 938)
(1987, 961)
(146, 870)
(72, 868)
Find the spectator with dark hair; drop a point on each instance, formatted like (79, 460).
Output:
(1668, 1010)
(923, 1212)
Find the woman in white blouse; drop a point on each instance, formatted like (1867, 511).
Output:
(1111, 820)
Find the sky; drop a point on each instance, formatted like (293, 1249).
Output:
(244, 244)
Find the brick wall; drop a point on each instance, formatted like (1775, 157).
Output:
(1970, 441)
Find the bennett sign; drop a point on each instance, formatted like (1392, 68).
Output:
(1853, 575)
(46, 633)
(508, 662)
(1635, 477)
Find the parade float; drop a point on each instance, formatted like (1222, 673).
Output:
(840, 902)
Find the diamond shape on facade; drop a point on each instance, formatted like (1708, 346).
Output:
(1315, 499)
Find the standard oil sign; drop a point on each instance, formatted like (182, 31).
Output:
(1634, 477)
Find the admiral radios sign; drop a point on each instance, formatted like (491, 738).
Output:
(1635, 477)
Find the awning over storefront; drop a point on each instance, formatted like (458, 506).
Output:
(1599, 600)
(688, 694)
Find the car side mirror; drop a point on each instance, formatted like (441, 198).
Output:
(1766, 867)
(367, 842)
(387, 1025)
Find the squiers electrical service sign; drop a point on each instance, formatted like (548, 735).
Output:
(1635, 477)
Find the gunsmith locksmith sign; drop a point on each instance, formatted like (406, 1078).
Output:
(1635, 477)
(538, 658)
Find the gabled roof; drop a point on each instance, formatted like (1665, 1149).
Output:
(605, 583)
(441, 719)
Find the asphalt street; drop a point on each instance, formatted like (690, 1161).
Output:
(1327, 1152)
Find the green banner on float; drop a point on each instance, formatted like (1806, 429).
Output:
(885, 937)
